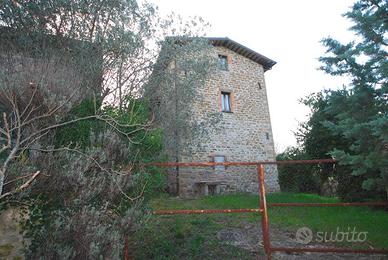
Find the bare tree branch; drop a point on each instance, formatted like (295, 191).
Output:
(22, 187)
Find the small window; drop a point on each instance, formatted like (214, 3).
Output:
(225, 102)
(223, 62)
(219, 159)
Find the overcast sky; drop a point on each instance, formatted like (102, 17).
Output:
(288, 32)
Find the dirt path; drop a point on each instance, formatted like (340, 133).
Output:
(249, 237)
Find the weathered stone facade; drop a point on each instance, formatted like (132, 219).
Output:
(242, 135)
(68, 69)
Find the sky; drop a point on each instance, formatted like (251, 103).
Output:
(288, 32)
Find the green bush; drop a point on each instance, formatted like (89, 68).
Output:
(78, 133)
(350, 186)
(82, 211)
(297, 177)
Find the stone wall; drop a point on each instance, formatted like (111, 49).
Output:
(245, 134)
(62, 69)
(11, 239)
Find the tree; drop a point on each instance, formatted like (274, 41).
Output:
(358, 114)
(109, 47)
(317, 141)
(181, 83)
(75, 125)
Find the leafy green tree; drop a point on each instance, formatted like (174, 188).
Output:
(181, 83)
(357, 115)
(316, 140)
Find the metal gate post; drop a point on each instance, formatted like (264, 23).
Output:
(263, 209)
(126, 249)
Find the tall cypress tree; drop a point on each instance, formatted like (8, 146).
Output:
(360, 109)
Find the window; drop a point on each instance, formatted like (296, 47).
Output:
(225, 102)
(223, 62)
(219, 159)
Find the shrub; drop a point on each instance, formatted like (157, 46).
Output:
(92, 198)
(297, 177)
(350, 186)
(79, 133)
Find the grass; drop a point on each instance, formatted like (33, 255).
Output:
(182, 237)
(329, 219)
(195, 236)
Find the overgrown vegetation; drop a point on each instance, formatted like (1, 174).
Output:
(79, 133)
(296, 177)
(75, 125)
(351, 124)
(73, 210)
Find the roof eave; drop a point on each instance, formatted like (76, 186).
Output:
(267, 63)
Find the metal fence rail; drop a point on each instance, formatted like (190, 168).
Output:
(262, 205)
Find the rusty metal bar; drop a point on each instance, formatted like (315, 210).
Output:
(329, 250)
(264, 215)
(203, 211)
(126, 249)
(336, 204)
(202, 164)
(210, 164)
(314, 161)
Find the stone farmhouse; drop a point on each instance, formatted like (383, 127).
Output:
(237, 92)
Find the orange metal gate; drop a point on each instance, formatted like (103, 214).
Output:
(262, 209)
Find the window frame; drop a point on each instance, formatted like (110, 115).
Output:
(229, 102)
(223, 65)
(221, 167)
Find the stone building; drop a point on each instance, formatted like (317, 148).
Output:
(68, 69)
(236, 91)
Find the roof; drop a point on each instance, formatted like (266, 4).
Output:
(242, 50)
